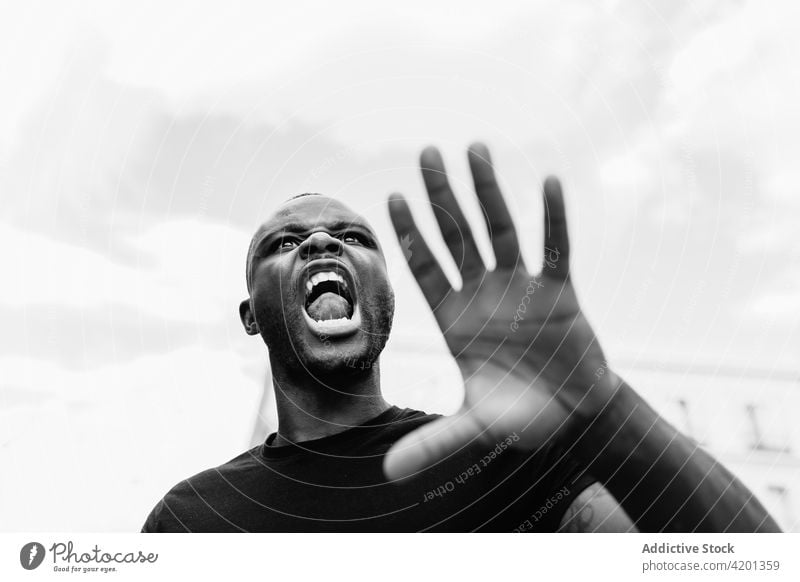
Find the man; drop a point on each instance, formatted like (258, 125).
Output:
(548, 438)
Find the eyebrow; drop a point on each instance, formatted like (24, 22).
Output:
(297, 228)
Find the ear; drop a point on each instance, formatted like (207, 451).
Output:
(248, 318)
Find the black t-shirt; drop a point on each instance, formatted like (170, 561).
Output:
(337, 484)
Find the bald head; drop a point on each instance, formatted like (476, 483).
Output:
(302, 215)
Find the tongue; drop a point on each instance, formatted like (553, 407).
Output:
(328, 306)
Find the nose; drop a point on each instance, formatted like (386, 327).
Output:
(320, 244)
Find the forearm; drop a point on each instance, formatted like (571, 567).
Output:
(662, 479)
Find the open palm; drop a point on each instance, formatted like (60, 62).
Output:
(530, 361)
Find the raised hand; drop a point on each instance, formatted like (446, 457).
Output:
(529, 359)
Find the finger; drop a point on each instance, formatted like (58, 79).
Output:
(426, 269)
(429, 444)
(454, 226)
(556, 239)
(498, 220)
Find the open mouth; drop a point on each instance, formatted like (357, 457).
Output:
(330, 306)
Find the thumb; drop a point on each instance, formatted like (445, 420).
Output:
(431, 443)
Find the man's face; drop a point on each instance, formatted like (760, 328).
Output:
(319, 290)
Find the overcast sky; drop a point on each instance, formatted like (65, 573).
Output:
(142, 143)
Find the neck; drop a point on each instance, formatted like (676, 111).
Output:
(311, 409)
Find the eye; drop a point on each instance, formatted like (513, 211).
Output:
(286, 244)
(356, 238)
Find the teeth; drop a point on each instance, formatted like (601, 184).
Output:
(318, 278)
(330, 321)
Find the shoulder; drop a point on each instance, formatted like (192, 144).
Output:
(188, 500)
(232, 469)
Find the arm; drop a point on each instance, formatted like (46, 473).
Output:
(529, 359)
(684, 489)
(663, 479)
